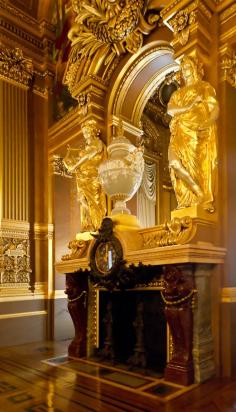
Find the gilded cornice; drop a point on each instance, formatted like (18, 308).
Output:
(9, 8)
(18, 28)
(14, 66)
(175, 6)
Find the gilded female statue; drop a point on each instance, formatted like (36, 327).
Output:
(192, 149)
(84, 163)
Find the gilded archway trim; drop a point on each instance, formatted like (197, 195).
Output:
(138, 79)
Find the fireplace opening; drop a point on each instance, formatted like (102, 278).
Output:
(132, 328)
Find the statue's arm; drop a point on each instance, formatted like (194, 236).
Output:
(174, 107)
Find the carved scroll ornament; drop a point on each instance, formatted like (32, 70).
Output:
(173, 232)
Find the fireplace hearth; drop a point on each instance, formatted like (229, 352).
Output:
(132, 328)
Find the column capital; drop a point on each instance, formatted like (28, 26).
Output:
(14, 66)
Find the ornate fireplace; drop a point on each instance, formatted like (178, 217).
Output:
(180, 278)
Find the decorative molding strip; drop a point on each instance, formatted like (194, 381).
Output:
(43, 231)
(58, 294)
(228, 13)
(14, 65)
(175, 6)
(128, 127)
(228, 295)
(22, 298)
(4, 5)
(23, 314)
(14, 229)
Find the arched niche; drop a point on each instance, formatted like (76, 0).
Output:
(129, 93)
(136, 83)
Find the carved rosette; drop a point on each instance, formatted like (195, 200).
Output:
(14, 66)
(181, 24)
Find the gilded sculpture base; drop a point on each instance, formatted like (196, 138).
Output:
(84, 236)
(194, 211)
(125, 222)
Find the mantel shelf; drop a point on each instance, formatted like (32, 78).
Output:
(189, 253)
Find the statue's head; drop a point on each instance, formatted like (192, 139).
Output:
(190, 69)
(90, 130)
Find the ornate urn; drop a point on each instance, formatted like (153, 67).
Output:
(122, 173)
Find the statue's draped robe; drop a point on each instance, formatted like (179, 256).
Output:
(193, 142)
(90, 195)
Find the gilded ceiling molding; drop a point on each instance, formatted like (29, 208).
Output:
(14, 66)
(228, 66)
(102, 32)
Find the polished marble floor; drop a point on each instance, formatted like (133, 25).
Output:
(39, 377)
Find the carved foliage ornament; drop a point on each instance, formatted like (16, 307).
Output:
(15, 66)
(181, 24)
(14, 261)
(109, 26)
